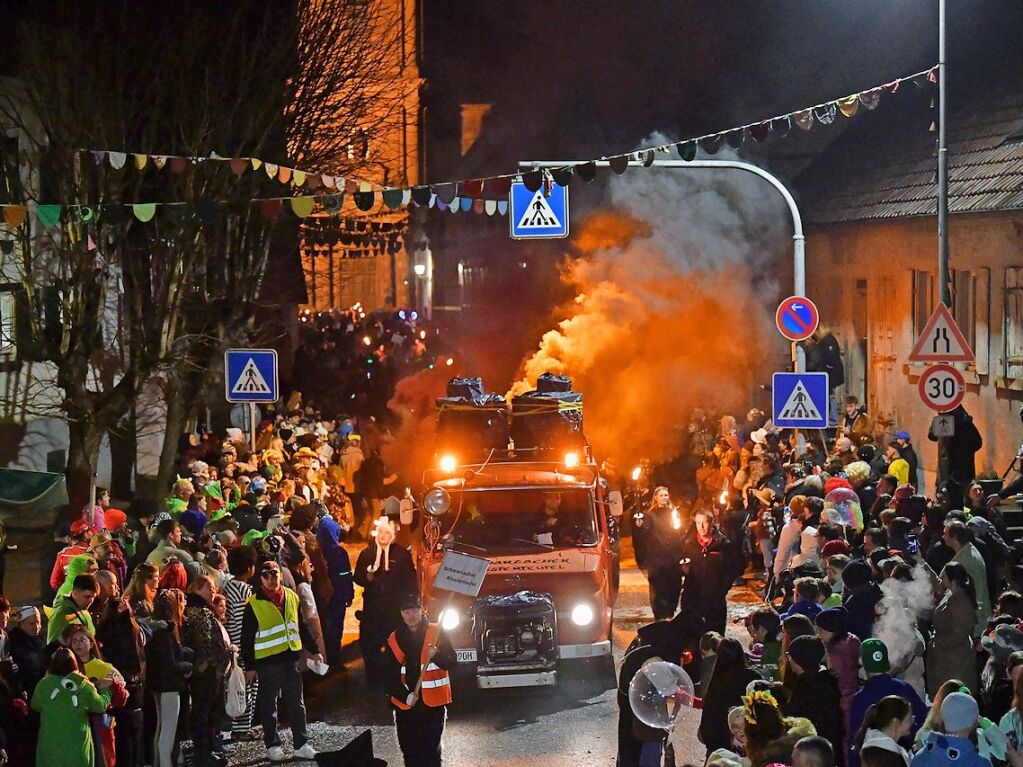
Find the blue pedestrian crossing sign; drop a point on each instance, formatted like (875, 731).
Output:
(536, 216)
(800, 400)
(250, 375)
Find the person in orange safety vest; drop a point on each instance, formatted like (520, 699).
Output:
(419, 648)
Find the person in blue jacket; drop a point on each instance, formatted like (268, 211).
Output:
(880, 684)
(339, 568)
(957, 744)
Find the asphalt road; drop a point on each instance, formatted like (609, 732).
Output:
(573, 723)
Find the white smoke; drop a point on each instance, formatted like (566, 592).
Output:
(902, 605)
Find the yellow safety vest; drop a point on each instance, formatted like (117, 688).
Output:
(276, 633)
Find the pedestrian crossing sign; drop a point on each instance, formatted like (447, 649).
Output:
(538, 215)
(800, 400)
(250, 375)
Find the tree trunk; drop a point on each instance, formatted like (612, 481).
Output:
(83, 454)
(177, 413)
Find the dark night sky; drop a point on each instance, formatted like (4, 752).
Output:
(570, 78)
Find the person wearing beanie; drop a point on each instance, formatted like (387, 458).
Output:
(955, 746)
(815, 694)
(860, 595)
(384, 570)
(843, 653)
(880, 684)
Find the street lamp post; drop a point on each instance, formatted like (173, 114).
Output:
(798, 240)
(943, 275)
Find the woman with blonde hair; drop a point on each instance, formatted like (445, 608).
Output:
(771, 736)
(659, 531)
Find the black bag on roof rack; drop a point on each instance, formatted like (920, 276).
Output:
(469, 422)
(548, 420)
(548, 383)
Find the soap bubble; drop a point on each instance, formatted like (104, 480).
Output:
(842, 505)
(659, 692)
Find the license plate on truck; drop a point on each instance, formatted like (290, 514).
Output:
(466, 656)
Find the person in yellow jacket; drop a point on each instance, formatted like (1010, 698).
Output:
(419, 648)
(273, 636)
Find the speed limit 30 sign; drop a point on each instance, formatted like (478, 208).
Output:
(942, 388)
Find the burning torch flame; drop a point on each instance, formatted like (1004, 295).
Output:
(676, 520)
(637, 473)
(723, 498)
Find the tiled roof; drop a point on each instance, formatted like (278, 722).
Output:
(886, 167)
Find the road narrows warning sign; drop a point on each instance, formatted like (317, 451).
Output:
(941, 340)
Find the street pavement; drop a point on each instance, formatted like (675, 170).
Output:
(572, 723)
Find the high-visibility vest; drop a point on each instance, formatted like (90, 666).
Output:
(276, 633)
(436, 687)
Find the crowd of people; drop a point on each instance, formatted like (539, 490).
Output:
(178, 626)
(891, 629)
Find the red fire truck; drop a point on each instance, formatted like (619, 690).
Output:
(521, 489)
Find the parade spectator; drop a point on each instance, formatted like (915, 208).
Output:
(728, 683)
(92, 664)
(167, 668)
(879, 684)
(207, 638)
(64, 699)
(814, 692)
(956, 465)
(342, 592)
(950, 652)
(956, 744)
(885, 724)
(854, 423)
(73, 608)
(169, 548)
(959, 539)
(272, 638)
(241, 562)
(27, 648)
(843, 653)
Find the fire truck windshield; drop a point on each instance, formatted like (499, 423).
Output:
(524, 518)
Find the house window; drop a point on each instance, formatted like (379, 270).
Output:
(8, 323)
(923, 300)
(1013, 325)
(971, 309)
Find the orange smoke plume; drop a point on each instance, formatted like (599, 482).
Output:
(665, 319)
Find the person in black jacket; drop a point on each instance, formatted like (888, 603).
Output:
(956, 464)
(711, 563)
(119, 633)
(860, 595)
(662, 548)
(27, 646)
(728, 684)
(660, 640)
(823, 355)
(386, 573)
(167, 668)
(815, 694)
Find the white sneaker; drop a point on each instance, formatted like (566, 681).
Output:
(306, 752)
(276, 754)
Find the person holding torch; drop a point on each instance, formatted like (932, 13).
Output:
(661, 535)
(418, 658)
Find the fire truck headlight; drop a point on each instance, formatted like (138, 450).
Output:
(449, 619)
(448, 464)
(571, 460)
(582, 614)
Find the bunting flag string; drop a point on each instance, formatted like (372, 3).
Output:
(486, 195)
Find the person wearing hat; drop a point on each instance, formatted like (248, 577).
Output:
(961, 715)
(843, 652)
(80, 532)
(880, 684)
(815, 694)
(416, 669)
(28, 650)
(385, 571)
(271, 642)
(908, 453)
